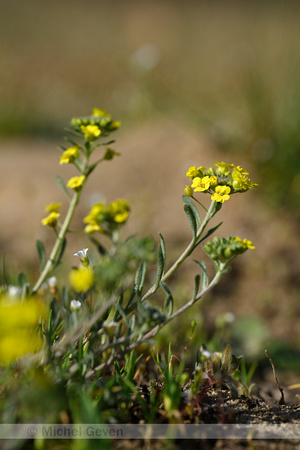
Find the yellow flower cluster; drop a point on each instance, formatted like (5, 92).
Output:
(220, 182)
(90, 132)
(89, 128)
(92, 126)
(227, 248)
(51, 219)
(105, 218)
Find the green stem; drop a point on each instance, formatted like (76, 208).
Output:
(209, 215)
(55, 250)
(149, 334)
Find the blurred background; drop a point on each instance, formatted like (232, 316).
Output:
(193, 82)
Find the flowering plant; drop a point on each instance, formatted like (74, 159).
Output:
(91, 326)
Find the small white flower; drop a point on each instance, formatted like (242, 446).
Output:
(75, 305)
(82, 253)
(206, 354)
(229, 317)
(110, 324)
(14, 291)
(52, 281)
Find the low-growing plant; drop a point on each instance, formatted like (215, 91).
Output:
(87, 332)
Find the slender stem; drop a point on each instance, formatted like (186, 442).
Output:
(74, 335)
(57, 245)
(156, 328)
(210, 213)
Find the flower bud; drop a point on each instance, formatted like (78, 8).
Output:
(188, 191)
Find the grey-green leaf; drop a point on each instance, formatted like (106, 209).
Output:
(41, 253)
(61, 252)
(192, 219)
(169, 302)
(211, 231)
(196, 287)
(63, 186)
(188, 201)
(204, 276)
(160, 266)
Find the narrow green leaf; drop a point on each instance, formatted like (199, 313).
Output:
(50, 323)
(188, 201)
(168, 306)
(226, 359)
(73, 143)
(170, 353)
(101, 249)
(118, 332)
(63, 186)
(196, 286)
(57, 331)
(163, 246)
(61, 252)
(22, 280)
(103, 144)
(169, 301)
(117, 368)
(141, 277)
(41, 253)
(192, 219)
(118, 305)
(131, 325)
(138, 284)
(120, 312)
(204, 276)
(211, 231)
(132, 295)
(91, 169)
(64, 296)
(160, 266)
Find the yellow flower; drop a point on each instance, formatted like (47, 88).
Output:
(51, 220)
(91, 132)
(53, 207)
(18, 328)
(246, 243)
(240, 181)
(221, 194)
(81, 279)
(69, 155)
(194, 172)
(224, 167)
(201, 184)
(96, 213)
(76, 182)
(114, 125)
(213, 181)
(92, 228)
(119, 209)
(100, 113)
